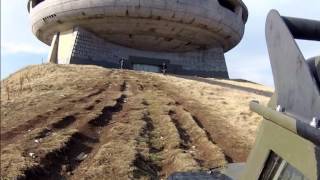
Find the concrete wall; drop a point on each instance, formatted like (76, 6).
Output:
(90, 49)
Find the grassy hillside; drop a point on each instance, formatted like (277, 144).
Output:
(89, 122)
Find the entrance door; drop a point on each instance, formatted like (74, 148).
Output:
(146, 67)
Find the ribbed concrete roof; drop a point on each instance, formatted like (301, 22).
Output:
(172, 25)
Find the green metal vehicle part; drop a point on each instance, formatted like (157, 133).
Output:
(287, 145)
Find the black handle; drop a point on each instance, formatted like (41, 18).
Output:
(303, 28)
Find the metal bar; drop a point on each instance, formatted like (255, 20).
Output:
(298, 127)
(303, 28)
(274, 116)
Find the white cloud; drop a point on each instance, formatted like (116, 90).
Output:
(20, 47)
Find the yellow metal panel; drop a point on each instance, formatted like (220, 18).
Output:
(297, 151)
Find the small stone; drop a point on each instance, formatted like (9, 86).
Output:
(82, 156)
(64, 168)
(32, 155)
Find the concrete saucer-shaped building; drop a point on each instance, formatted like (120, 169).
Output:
(189, 36)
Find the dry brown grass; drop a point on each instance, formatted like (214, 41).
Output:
(18, 157)
(45, 87)
(113, 160)
(166, 124)
(167, 136)
(224, 110)
(54, 142)
(231, 104)
(202, 147)
(13, 163)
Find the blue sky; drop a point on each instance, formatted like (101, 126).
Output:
(249, 60)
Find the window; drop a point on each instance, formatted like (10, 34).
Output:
(36, 2)
(278, 169)
(227, 4)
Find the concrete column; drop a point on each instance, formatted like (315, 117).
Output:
(53, 53)
(30, 5)
(67, 42)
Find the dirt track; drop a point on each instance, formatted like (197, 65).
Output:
(111, 124)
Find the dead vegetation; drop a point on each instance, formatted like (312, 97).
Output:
(69, 121)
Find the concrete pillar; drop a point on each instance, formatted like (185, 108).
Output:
(53, 53)
(30, 5)
(67, 42)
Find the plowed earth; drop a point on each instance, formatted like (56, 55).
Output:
(86, 122)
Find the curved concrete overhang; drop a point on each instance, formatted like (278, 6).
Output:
(174, 26)
(244, 9)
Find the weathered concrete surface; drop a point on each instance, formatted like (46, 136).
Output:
(157, 25)
(189, 36)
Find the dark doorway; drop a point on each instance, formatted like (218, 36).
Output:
(146, 67)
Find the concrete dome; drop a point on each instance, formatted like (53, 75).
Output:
(153, 25)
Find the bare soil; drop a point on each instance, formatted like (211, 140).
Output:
(88, 122)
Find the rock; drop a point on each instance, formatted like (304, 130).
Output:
(38, 140)
(32, 155)
(64, 168)
(82, 156)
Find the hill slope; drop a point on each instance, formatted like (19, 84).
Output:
(89, 122)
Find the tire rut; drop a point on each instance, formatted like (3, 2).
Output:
(122, 151)
(184, 136)
(107, 112)
(190, 141)
(172, 144)
(42, 119)
(227, 158)
(62, 162)
(181, 103)
(145, 161)
(197, 140)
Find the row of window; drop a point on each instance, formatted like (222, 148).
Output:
(36, 2)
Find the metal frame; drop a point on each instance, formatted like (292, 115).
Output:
(286, 129)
